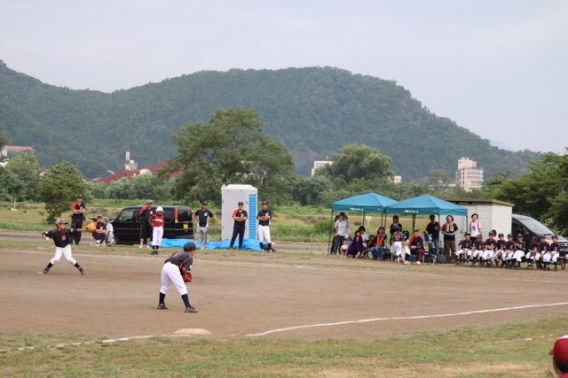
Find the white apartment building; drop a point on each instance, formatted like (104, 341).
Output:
(319, 164)
(468, 176)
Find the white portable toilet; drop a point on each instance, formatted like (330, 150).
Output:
(231, 195)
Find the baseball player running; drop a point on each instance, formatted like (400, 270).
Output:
(157, 223)
(264, 216)
(202, 216)
(175, 267)
(62, 238)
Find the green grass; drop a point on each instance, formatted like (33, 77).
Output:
(513, 350)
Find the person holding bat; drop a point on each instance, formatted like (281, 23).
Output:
(62, 238)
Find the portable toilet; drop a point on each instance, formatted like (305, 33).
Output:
(231, 195)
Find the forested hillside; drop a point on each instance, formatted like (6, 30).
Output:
(313, 111)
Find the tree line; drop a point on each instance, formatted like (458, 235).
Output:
(232, 148)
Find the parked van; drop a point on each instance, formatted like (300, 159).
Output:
(177, 224)
(530, 227)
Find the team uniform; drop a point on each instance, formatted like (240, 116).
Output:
(172, 273)
(478, 248)
(509, 251)
(202, 216)
(100, 233)
(62, 240)
(77, 218)
(520, 250)
(417, 245)
(532, 254)
(543, 250)
(264, 229)
(554, 251)
(239, 227)
(157, 223)
(500, 250)
(489, 251)
(464, 251)
(146, 228)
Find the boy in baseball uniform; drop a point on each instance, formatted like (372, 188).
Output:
(500, 250)
(489, 249)
(464, 251)
(62, 238)
(157, 223)
(532, 253)
(203, 216)
(264, 216)
(520, 250)
(554, 252)
(509, 250)
(478, 247)
(175, 267)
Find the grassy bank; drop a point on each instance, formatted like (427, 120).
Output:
(514, 350)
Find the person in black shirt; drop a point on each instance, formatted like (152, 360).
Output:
(509, 251)
(175, 267)
(240, 217)
(264, 216)
(449, 230)
(394, 227)
(489, 252)
(100, 231)
(464, 251)
(530, 256)
(555, 252)
(433, 230)
(417, 246)
(520, 250)
(145, 228)
(203, 216)
(62, 239)
(78, 209)
(500, 250)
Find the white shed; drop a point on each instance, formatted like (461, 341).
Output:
(231, 195)
(493, 215)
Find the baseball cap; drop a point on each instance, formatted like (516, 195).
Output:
(467, 234)
(501, 234)
(492, 233)
(265, 202)
(79, 196)
(60, 221)
(149, 201)
(241, 203)
(543, 236)
(560, 349)
(106, 219)
(189, 246)
(99, 216)
(509, 235)
(519, 235)
(204, 202)
(554, 236)
(534, 238)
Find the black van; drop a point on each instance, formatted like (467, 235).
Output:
(177, 224)
(530, 227)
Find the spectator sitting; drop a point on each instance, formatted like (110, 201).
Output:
(356, 246)
(365, 240)
(416, 244)
(100, 233)
(380, 248)
(109, 230)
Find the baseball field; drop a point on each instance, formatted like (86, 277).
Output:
(281, 314)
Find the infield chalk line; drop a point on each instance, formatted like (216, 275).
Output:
(360, 321)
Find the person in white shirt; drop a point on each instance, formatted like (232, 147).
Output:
(110, 231)
(341, 232)
(475, 226)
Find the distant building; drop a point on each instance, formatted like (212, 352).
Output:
(319, 164)
(397, 179)
(9, 151)
(130, 170)
(468, 176)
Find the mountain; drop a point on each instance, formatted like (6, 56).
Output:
(314, 111)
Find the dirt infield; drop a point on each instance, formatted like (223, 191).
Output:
(287, 297)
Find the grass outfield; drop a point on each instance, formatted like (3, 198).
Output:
(515, 350)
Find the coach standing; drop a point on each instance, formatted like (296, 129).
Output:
(146, 228)
(202, 216)
(240, 217)
(78, 209)
(264, 216)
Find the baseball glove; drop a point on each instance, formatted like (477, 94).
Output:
(187, 277)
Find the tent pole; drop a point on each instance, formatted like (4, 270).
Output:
(364, 219)
(413, 221)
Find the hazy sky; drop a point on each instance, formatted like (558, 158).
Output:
(496, 67)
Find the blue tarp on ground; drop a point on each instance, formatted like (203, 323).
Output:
(426, 204)
(365, 203)
(248, 244)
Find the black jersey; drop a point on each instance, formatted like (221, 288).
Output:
(417, 242)
(490, 244)
(264, 213)
(501, 244)
(181, 260)
(544, 247)
(61, 238)
(239, 214)
(510, 245)
(465, 244)
(478, 244)
(203, 217)
(520, 245)
(533, 246)
(554, 247)
(394, 226)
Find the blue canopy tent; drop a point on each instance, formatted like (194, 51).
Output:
(426, 204)
(364, 203)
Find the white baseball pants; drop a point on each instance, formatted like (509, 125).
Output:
(157, 234)
(201, 235)
(264, 234)
(65, 251)
(487, 255)
(172, 275)
(518, 255)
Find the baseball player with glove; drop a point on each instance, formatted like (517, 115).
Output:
(264, 216)
(62, 238)
(177, 271)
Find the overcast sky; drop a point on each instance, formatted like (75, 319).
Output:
(496, 67)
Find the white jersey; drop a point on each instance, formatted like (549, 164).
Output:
(474, 228)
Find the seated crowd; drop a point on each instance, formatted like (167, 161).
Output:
(401, 247)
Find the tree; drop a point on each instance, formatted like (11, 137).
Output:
(358, 161)
(58, 187)
(542, 193)
(231, 148)
(25, 168)
(10, 185)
